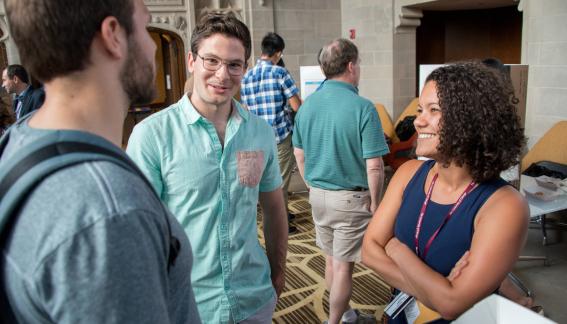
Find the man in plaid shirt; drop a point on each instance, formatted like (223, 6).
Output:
(266, 90)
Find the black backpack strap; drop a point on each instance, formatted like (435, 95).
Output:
(28, 167)
(57, 149)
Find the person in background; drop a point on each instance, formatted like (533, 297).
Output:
(454, 206)
(338, 144)
(266, 90)
(211, 162)
(15, 80)
(91, 243)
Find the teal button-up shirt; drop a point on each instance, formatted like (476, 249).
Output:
(214, 194)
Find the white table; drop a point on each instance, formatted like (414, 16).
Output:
(539, 208)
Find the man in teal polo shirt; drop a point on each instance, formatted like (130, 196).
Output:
(338, 144)
(211, 161)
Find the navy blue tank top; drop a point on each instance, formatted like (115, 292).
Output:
(455, 237)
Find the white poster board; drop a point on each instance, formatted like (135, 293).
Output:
(311, 78)
(424, 71)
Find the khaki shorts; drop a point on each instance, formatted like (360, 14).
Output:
(340, 218)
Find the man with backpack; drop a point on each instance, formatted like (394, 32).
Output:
(89, 242)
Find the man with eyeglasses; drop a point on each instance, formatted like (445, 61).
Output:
(211, 161)
(266, 90)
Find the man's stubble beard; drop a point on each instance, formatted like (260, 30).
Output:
(138, 76)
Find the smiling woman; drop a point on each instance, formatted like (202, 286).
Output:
(427, 122)
(449, 229)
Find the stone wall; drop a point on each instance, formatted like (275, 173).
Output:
(260, 20)
(544, 48)
(177, 16)
(372, 21)
(306, 25)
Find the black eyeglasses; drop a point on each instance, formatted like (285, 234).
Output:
(212, 63)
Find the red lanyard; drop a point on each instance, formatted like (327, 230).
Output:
(468, 189)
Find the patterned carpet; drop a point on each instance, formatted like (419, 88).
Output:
(305, 299)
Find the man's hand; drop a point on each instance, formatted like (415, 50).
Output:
(275, 234)
(278, 281)
(459, 266)
(373, 206)
(375, 177)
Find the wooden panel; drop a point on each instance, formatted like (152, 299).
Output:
(447, 36)
(430, 37)
(160, 73)
(175, 60)
(467, 36)
(506, 32)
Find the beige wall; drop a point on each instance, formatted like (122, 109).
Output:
(544, 48)
(373, 22)
(259, 18)
(306, 26)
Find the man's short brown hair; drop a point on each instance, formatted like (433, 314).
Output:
(225, 24)
(335, 57)
(54, 37)
(16, 70)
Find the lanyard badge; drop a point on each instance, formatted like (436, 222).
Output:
(403, 301)
(397, 305)
(419, 224)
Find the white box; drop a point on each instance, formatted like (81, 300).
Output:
(495, 309)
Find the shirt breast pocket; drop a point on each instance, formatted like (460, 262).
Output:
(250, 167)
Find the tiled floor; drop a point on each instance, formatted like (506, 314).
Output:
(305, 299)
(548, 283)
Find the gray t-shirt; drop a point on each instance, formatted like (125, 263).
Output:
(90, 245)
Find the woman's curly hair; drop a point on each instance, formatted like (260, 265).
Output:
(479, 126)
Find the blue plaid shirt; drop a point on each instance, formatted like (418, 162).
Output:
(265, 90)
